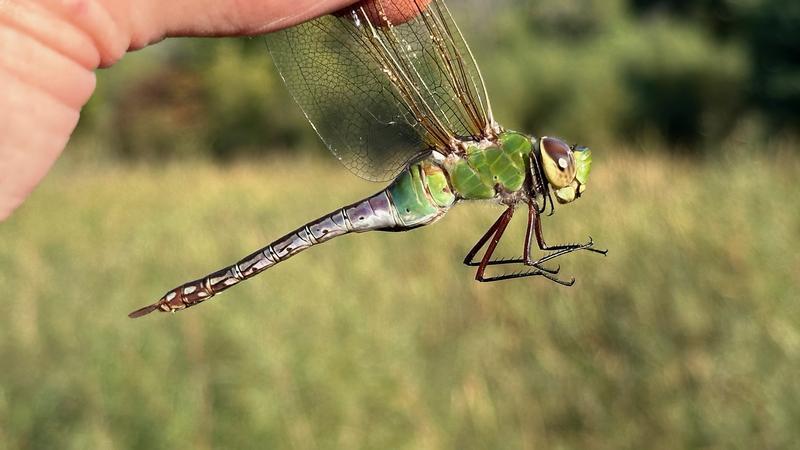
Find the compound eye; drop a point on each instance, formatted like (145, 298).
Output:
(558, 162)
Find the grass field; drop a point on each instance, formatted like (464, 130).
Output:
(687, 335)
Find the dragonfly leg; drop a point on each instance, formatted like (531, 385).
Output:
(535, 229)
(535, 220)
(470, 261)
(496, 233)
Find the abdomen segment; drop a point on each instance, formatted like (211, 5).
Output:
(407, 203)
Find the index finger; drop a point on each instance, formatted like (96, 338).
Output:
(237, 17)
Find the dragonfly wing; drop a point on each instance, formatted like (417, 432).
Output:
(348, 101)
(379, 93)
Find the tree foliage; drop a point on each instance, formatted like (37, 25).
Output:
(679, 73)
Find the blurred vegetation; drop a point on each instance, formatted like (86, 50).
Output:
(687, 335)
(675, 74)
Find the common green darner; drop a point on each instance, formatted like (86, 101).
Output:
(398, 96)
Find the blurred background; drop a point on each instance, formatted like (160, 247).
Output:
(191, 154)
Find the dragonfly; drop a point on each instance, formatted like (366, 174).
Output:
(395, 93)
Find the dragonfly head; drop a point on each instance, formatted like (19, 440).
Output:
(565, 167)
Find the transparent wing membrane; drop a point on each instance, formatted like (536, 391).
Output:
(379, 93)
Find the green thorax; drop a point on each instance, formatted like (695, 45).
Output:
(488, 168)
(423, 192)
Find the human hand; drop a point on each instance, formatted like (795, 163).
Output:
(49, 50)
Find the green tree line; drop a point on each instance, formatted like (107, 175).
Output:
(681, 75)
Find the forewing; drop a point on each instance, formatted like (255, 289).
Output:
(379, 93)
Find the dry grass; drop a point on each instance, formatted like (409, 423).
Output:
(686, 336)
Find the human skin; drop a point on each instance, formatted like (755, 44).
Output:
(50, 49)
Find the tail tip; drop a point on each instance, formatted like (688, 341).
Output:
(143, 311)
